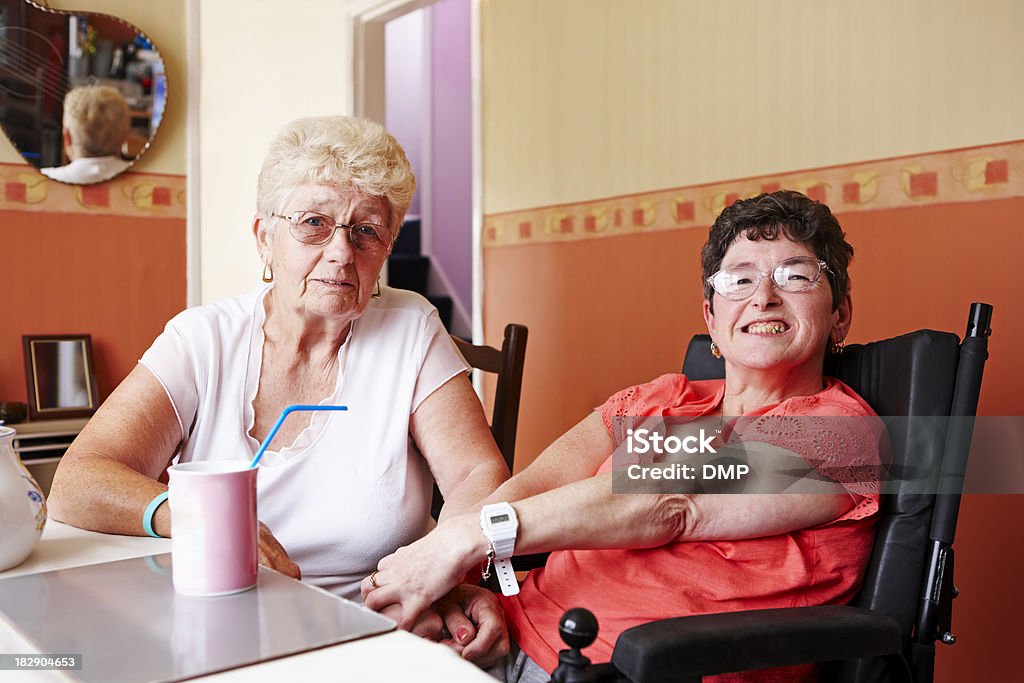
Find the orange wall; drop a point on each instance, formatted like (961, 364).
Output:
(610, 287)
(608, 312)
(118, 278)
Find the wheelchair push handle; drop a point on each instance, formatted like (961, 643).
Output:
(979, 321)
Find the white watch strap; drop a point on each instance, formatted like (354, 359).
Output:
(506, 577)
(504, 547)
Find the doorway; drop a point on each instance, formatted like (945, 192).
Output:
(414, 72)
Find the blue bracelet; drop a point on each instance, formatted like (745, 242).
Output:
(147, 516)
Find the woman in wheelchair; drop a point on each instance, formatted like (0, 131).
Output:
(776, 301)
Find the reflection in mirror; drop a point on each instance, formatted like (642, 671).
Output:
(81, 94)
(60, 377)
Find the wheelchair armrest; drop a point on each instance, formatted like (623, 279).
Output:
(738, 641)
(522, 563)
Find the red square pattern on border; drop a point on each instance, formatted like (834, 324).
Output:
(685, 211)
(161, 196)
(851, 193)
(924, 184)
(997, 172)
(95, 195)
(16, 192)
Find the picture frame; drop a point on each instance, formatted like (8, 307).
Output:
(60, 376)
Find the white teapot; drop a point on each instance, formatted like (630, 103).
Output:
(22, 506)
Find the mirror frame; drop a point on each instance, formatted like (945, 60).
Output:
(35, 410)
(39, 5)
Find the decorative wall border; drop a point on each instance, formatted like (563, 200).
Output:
(963, 175)
(130, 194)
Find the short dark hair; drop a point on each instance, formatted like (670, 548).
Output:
(788, 213)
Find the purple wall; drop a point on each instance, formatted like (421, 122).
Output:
(451, 146)
(403, 88)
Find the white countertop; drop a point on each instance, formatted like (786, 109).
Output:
(393, 656)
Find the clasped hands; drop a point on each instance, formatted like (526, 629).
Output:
(420, 587)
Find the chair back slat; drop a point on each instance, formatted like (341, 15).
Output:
(486, 358)
(508, 363)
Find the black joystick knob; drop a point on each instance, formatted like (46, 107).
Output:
(578, 628)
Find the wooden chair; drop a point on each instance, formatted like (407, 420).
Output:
(507, 362)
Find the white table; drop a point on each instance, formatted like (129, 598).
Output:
(393, 656)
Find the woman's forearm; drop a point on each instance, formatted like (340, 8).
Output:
(575, 456)
(582, 515)
(469, 494)
(94, 492)
(587, 514)
(108, 476)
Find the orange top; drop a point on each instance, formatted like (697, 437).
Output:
(626, 588)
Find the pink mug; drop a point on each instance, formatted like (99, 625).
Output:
(214, 545)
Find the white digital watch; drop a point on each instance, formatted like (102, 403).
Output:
(500, 525)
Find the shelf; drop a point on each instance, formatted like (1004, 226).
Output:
(71, 425)
(41, 443)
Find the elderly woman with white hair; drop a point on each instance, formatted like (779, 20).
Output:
(95, 125)
(339, 490)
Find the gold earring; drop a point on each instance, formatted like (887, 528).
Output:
(268, 273)
(715, 350)
(837, 347)
(376, 290)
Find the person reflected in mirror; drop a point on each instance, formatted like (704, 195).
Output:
(336, 491)
(97, 121)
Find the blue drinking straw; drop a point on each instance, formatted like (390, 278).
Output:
(277, 425)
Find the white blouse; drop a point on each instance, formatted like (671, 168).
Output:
(352, 488)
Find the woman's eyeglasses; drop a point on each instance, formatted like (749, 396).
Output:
(792, 275)
(310, 227)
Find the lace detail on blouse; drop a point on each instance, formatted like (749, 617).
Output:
(832, 432)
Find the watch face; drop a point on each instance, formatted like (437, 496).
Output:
(499, 518)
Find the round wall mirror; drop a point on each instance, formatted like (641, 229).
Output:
(81, 94)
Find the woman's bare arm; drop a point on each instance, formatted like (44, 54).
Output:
(109, 474)
(451, 432)
(588, 514)
(574, 456)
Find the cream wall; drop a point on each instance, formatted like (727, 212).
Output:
(164, 22)
(260, 67)
(594, 98)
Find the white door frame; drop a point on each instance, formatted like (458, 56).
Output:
(193, 271)
(368, 98)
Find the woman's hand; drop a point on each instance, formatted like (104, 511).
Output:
(417, 575)
(427, 625)
(476, 622)
(273, 554)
